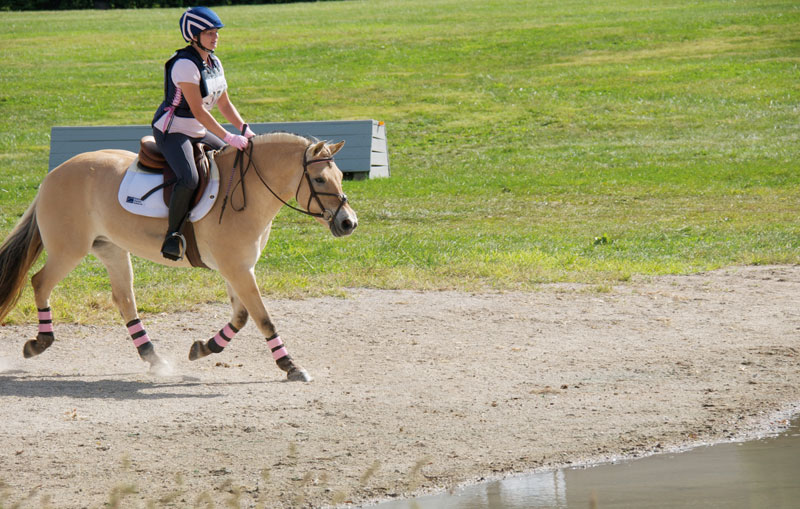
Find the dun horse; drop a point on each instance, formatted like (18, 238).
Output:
(76, 212)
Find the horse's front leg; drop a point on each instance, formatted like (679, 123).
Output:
(244, 292)
(225, 335)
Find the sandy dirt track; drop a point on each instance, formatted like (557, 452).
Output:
(413, 392)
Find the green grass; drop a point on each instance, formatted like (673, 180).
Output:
(519, 132)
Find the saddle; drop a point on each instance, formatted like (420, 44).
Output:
(152, 160)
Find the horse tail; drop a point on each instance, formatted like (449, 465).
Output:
(18, 253)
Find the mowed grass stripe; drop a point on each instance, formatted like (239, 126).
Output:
(529, 141)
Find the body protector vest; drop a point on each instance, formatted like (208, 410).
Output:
(212, 85)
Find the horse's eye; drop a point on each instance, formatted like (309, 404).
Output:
(319, 180)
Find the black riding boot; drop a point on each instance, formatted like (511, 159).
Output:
(174, 243)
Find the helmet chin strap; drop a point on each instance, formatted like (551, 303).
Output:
(197, 41)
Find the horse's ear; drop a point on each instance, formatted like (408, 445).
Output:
(336, 148)
(317, 148)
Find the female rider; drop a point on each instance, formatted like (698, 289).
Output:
(194, 82)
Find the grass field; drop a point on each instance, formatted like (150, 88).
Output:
(530, 141)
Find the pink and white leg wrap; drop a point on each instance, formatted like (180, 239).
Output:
(45, 320)
(223, 337)
(137, 332)
(276, 345)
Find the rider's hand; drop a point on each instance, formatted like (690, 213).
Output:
(236, 140)
(248, 133)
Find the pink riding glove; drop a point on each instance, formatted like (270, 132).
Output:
(248, 133)
(237, 141)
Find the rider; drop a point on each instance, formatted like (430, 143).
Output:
(194, 83)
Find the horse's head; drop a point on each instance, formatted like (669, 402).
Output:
(321, 189)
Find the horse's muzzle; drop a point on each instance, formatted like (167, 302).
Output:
(343, 223)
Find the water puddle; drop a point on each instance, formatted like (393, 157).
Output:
(759, 473)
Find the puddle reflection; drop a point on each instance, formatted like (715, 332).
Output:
(761, 473)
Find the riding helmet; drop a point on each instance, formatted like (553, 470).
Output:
(197, 19)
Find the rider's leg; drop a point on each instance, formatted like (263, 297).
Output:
(177, 150)
(174, 242)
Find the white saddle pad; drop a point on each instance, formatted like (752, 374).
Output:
(138, 183)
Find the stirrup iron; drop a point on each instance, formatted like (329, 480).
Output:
(182, 249)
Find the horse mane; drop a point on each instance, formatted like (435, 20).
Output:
(279, 137)
(274, 137)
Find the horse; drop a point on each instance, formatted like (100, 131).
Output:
(76, 212)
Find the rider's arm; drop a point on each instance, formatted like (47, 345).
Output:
(229, 111)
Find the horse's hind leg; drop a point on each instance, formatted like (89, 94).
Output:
(118, 264)
(58, 265)
(224, 336)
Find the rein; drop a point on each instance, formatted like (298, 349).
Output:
(326, 214)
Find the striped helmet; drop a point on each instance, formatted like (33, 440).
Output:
(197, 19)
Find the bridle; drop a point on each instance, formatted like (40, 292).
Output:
(325, 215)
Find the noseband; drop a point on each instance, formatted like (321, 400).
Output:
(325, 214)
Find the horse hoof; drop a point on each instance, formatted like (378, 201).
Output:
(298, 375)
(29, 350)
(36, 346)
(198, 351)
